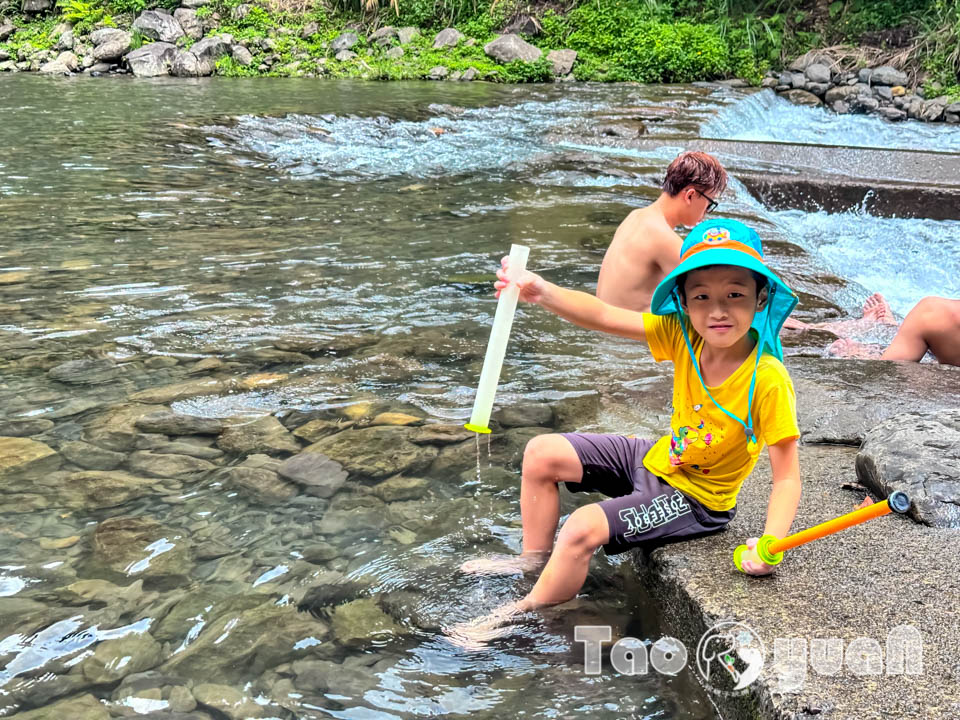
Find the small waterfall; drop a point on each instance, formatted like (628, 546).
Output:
(764, 117)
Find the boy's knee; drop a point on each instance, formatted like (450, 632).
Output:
(547, 457)
(585, 530)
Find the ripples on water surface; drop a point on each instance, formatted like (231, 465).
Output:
(147, 221)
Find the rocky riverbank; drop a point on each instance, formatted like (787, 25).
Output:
(817, 80)
(191, 43)
(218, 37)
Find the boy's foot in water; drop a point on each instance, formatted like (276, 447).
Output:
(477, 633)
(877, 309)
(506, 564)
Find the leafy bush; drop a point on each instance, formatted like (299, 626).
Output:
(621, 41)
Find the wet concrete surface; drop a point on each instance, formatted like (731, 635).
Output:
(884, 182)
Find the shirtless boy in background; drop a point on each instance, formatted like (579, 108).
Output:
(645, 247)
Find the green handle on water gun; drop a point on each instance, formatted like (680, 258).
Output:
(763, 551)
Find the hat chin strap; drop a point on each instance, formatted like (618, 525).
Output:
(747, 426)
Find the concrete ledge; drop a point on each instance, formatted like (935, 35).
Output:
(860, 583)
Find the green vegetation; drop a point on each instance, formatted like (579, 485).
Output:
(616, 40)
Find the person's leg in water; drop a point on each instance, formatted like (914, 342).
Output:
(548, 460)
(876, 311)
(933, 324)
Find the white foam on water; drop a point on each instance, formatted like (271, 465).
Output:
(765, 117)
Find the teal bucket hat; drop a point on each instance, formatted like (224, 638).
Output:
(729, 242)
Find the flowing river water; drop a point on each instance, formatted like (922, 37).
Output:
(308, 247)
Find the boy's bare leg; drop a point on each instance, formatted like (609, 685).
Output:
(585, 531)
(547, 461)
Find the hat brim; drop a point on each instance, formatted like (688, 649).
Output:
(664, 301)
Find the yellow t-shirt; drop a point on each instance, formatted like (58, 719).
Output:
(707, 455)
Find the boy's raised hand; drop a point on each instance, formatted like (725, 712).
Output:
(751, 562)
(530, 284)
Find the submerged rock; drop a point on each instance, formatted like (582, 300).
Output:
(103, 489)
(82, 707)
(262, 485)
(401, 488)
(115, 659)
(918, 453)
(265, 435)
(320, 475)
(21, 458)
(376, 452)
(230, 702)
(171, 423)
(90, 456)
(162, 465)
(362, 622)
(85, 372)
(140, 546)
(24, 428)
(244, 644)
(179, 391)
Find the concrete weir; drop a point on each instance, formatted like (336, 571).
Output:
(902, 183)
(872, 592)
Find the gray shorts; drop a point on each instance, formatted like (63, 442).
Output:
(643, 510)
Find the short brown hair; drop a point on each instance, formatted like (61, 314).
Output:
(702, 171)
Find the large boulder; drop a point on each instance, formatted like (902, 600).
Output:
(344, 41)
(406, 34)
(817, 73)
(839, 401)
(508, 48)
(36, 6)
(6, 30)
(191, 24)
(887, 75)
(186, 64)
(562, 61)
(449, 37)
(211, 49)
(918, 453)
(65, 63)
(802, 97)
(110, 44)
(151, 60)
(158, 26)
